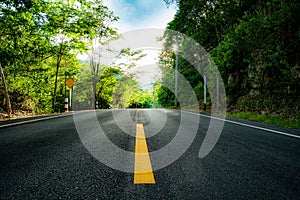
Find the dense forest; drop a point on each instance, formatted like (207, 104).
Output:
(254, 43)
(256, 46)
(40, 44)
(40, 41)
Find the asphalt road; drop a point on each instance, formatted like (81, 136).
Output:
(48, 160)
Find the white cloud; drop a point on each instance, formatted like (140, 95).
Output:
(129, 20)
(156, 15)
(160, 19)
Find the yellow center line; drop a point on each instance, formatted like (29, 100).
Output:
(143, 173)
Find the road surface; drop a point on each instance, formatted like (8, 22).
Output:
(47, 160)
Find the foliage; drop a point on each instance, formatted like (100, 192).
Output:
(40, 40)
(141, 99)
(106, 87)
(116, 88)
(125, 88)
(277, 120)
(255, 45)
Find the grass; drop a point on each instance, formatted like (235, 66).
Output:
(280, 121)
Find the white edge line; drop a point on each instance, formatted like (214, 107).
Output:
(233, 122)
(35, 120)
(251, 126)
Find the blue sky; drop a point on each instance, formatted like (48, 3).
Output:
(141, 13)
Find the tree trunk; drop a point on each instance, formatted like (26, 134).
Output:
(95, 91)
(8, 104)
(56, 80)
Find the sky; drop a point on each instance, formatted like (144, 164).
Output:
(141, 13)
(137, 14)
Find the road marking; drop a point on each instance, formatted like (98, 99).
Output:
(44, 118)
(34, 120)
(143, 173)
(250, 126)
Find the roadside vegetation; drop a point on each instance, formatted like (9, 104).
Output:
(40, 44)
(40, 41)
(277, 120)
(256, 47)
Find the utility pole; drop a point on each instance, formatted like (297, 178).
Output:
(218, 92)
(204, 87)
(176, 73)
(70, 99)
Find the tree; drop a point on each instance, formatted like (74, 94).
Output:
(125, 88)
(106, 86)
(73, 24)
(6, 91)
(255, 45)
(103, 35)
(18, 27)
(141, 99)
(34, 34)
